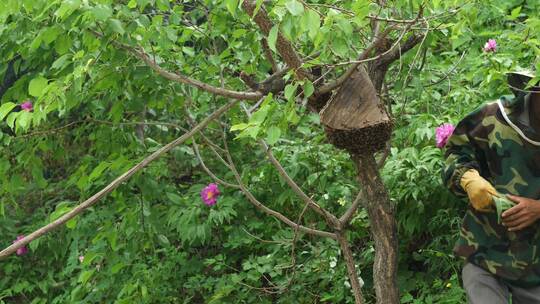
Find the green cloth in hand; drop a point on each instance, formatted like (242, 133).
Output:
(501, 204)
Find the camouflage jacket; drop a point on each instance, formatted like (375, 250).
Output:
(486, 141)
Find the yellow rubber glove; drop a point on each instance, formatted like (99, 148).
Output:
(479, 190)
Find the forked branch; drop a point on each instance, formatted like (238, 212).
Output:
(114, 184)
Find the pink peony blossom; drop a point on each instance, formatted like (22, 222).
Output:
(442, 133)
(209, 194)
(490, 46)
(27, 106)
(23, 250)
(81, 258)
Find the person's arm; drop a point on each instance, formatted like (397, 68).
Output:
(460, 154)
(461, 170)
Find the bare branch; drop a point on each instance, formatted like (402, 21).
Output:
(207, 170)
(452, 69)
(50, 131)
(347, 216)
(266, 209)
(313, 205)
(330, 218)
(213, 147)
(268, 55)
(381, 57)
(180, 78)
(351, 268)
(362, 58)
(274, 83)
(115, 184)
(283, 46)
(295, 238)
(395, 53)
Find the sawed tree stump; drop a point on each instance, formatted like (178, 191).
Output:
(355, 118)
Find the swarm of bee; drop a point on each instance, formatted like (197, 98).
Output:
(369, 139)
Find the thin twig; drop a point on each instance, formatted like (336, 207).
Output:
(262, 206)
(447, 73)
(330, 218)
(261, 240)
(207, 170)
(114, 184)
(347, 216)
(363, 58)
(180, 78)
(283, 46)
(411, 67)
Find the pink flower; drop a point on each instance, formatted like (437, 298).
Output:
(442, 133)
(490, 46)
(23, 250)
(81, 258)
(27, 106)
(209, 194)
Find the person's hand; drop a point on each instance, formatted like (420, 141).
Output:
(522, 215)
(479, 190)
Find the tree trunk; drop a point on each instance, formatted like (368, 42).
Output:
(383, 229)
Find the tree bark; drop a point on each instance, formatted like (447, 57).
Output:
(383, 229)
(351, 268)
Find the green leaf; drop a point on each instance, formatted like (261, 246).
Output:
(164, 240)
(515, 13)
(98, 170)
(240, 126)
(5, 108)
(260, 115)
(295, 8)
(102, 12)
(173, 197)
(257, 7)
(340, 47)
(117, 267)
(10, 120)
(34, 244)
(62, 44)
(116, 26)
(72, 223)
(86, 275)
(37, 85)
(313, 23)
(308, 88)
(189, 51)
(163, 5)
(61, 209)
(290, 91)
(24, 119)
(60, 62)
(231, 6)
(112, 237)
(144, 292)
(252, 131)
(50, 34)
(361, 10)
(272, 37)
(67, 8)
(272, 135)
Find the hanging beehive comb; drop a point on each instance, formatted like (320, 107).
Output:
(355, 118)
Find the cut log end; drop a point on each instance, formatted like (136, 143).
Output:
(355, 119)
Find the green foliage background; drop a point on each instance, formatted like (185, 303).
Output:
(153, 240)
